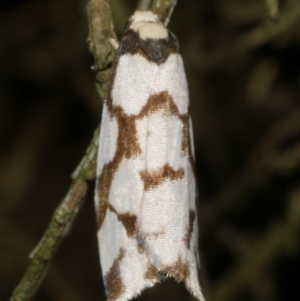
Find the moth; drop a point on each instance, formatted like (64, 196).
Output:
(146, 189)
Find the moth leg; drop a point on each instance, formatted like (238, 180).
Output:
(114, 43)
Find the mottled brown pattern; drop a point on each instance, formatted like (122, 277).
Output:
(156, 178)
(128, 146)
(112, 279)
(152, 272)
(179, 271)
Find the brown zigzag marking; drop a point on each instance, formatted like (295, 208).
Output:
(128, 220)
(160, 101)
(156, 178)
(127, 147)
(113, 280)
(127, 141)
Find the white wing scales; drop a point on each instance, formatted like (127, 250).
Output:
(146, 190)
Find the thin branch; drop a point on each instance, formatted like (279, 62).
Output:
(273, 9)
(144, 5)
(164, 9)
(101, 30)
(63, 217)
(40, 257)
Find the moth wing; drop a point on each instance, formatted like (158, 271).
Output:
(118, 169)
(167, 223)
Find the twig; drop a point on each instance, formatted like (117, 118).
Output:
(164, 9)
(100, 32)
(273, 9)
(144, 5)
(63, 216)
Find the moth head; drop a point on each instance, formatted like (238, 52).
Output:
(147, 25)
(146, 35)
(144, 16)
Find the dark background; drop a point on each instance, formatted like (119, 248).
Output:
(244, 78)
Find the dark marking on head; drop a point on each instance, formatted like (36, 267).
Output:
(112, 279)
(154, 50)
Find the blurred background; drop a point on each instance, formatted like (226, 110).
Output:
(244, 79)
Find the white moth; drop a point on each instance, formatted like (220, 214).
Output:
(146, 189)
